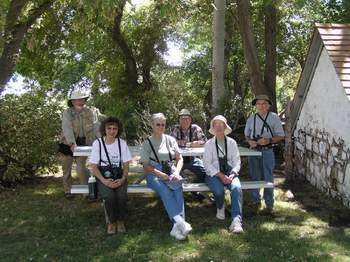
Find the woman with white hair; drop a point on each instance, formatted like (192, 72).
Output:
(222, 163)
(162, 163)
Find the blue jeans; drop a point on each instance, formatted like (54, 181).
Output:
(261, 168)
(173, 200)
(196, 166)
(217, 187)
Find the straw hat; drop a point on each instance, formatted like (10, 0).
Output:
(228, 129)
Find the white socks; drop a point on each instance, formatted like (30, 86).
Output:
(179, 219)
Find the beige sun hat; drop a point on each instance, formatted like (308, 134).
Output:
(228, 129)
(185, 112)
(78, 94)
(261, 97)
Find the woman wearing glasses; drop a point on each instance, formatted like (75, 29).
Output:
(162, 163)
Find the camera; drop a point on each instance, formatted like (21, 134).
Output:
(81, 141)
(167, 167)
(256, 138)
(224, 166)
(113, 172)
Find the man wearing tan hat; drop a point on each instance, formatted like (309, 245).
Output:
(222, 164)
(190, 135)
(80, 127)
(262, 131)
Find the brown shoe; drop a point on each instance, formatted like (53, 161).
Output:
(121, 227)
(111, 229)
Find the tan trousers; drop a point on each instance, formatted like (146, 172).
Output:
(82, 171)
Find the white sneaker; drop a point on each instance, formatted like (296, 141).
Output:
(175, 232)
(220, 213)
(184, 228)
(236, 225)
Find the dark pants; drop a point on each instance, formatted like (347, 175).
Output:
(114, 201)
(195, 165)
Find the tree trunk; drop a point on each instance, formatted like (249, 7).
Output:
(14, 34)
(249, 47)
(270, 52)
(130, 62)
(218, 88)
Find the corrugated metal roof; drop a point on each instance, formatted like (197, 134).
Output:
(336, 40)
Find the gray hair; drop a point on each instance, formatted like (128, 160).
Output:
(158, 116)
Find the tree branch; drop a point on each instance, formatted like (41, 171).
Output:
(130, 62)
(14, 35)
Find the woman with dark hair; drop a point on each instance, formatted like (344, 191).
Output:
(80, 127)
(110, 157)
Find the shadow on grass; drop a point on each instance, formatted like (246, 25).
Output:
(38, 224)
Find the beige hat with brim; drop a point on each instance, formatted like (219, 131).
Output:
(261, 97)
(78, 95)
(185, 112)
(228, 129)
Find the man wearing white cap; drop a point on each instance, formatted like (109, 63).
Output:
(80, 127)
(222, 163)
(262, 131)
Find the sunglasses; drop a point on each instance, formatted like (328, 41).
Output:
(159, 124)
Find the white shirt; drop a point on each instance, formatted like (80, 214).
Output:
(211, 161)
(113, 153)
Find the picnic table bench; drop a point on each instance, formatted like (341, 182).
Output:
(187, 187)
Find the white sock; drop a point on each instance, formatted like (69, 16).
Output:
(178, 219)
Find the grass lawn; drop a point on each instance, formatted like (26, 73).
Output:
(38, 224)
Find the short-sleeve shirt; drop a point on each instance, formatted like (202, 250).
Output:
(194, 133)
(113, 153)
(161, 149)
(273, 121)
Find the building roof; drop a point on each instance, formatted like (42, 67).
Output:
(335, 38)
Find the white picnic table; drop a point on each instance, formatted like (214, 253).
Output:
(190, 187)
(193, 151)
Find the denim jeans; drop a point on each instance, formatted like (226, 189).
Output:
(173, 200)
(261, 168)
(217, 187)
(196, 166)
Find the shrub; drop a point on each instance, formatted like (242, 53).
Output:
(29, 128)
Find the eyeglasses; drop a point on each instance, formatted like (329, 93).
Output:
(159, 124)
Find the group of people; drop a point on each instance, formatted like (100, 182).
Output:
(163, 163)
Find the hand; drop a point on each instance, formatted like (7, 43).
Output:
(252, 143)
(164, 176)
(197, 143)
(109, 182)
(232, 176)
(72, 147)
(263, 141)
(224, 179)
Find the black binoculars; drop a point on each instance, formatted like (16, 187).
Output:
(224, 166)
(166, 167)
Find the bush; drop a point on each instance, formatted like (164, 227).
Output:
(29, 129)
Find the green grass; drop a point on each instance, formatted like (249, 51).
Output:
(38, 224)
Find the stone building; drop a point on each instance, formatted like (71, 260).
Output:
(320, 113)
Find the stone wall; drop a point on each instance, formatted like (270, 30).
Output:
(324, 161)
